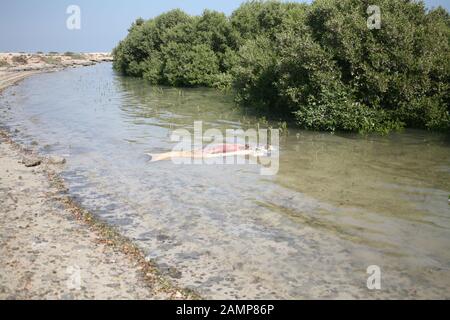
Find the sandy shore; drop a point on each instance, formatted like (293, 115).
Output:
(15, 67)
(50, 248)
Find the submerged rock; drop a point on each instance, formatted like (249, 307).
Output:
(174, 273)
(31, 162)
(56, 160)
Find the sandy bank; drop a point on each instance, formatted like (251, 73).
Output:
(52, 249)
(14, 67)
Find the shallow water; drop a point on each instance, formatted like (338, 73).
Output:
(339, 203)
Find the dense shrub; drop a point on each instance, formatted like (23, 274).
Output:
(51, 60)
(317, 64)
(22, 59)
(74, 55)
(189, 65)
(4, 63)
(399, 71)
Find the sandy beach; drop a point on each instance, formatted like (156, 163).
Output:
(50, 248)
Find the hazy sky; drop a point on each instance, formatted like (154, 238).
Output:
(40, 25)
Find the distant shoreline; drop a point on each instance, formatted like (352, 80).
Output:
(15, 67)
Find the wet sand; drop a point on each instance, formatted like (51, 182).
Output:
(49, 247)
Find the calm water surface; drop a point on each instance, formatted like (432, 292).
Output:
(339, 203)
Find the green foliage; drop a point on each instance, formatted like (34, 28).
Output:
(255, 75)
(400, 68)
(78, 56)
(74, 56)
(187, 65)
(51, 60)
(22, 59)
(318, 63)
(3, 63)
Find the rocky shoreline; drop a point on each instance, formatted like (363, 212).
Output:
(50, 247)
(15, 67)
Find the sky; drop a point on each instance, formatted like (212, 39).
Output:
(40, 25)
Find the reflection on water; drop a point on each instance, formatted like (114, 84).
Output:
(339, 203)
